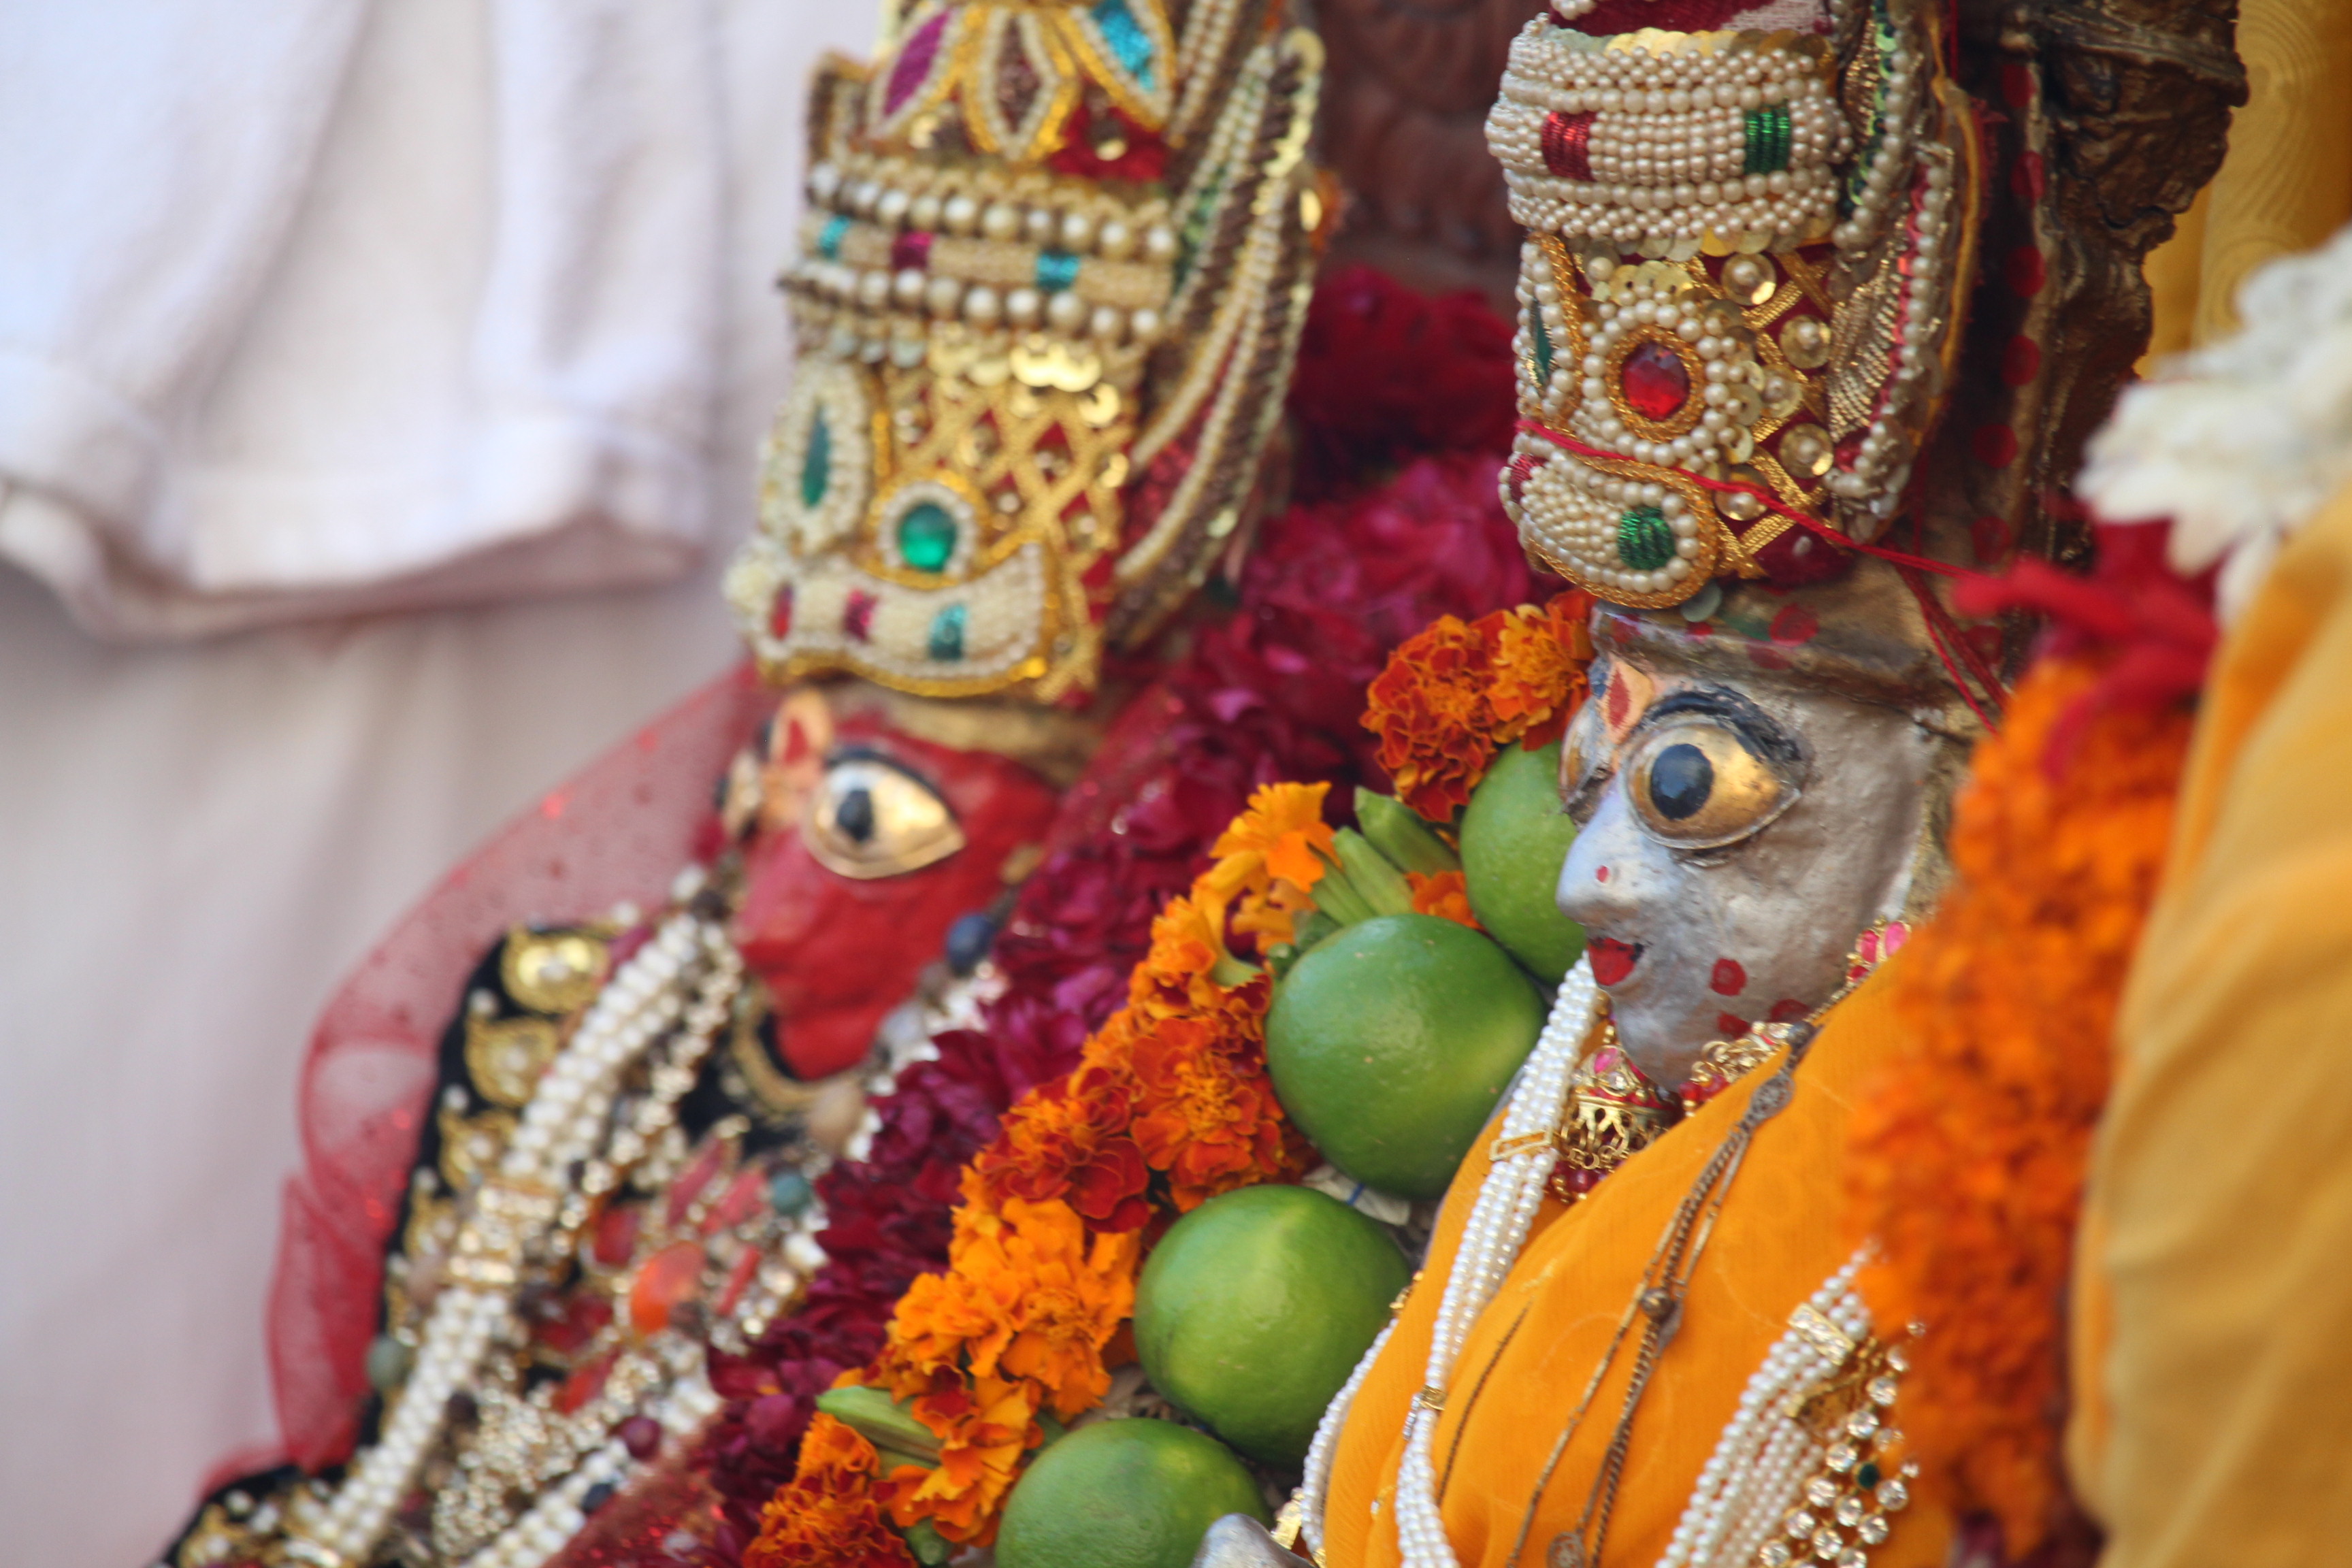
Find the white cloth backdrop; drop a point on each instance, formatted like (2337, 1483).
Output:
(195, 842)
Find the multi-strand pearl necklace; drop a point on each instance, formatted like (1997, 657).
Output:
(1773, 1473)
(687, 974)
(1490, 1244)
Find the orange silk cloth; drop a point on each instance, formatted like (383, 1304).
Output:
(2213, 1352)
(1531, 1354)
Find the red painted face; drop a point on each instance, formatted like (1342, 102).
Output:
(838, 951)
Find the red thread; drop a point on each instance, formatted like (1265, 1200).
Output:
(1568, 144)
(1771, 503)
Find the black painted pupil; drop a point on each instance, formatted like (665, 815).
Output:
(855, 815)
(1680, 781)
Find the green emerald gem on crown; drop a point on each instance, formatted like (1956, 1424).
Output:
(816, 465)
(927, 537)
(1644, 540)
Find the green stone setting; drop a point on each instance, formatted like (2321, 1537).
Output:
(816, 464)
(1542, 339)
(927, 537)
(1767, 138)
(946, 641)
(1645, 540)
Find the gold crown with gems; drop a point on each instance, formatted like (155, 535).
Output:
(1737, 297)
(1049, 291)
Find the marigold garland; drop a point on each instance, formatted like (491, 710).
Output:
(828, 1516)
(1169, 1106)
(1458, 692)
(1969, 1153)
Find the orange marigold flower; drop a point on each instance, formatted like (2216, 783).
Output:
(1067, 1138)
(1209, 1118)
(1025, 1296)
(829, 1515)
(1969, 1150)
(1540, 660)
(1275, 836)
(1074, 1296)
(942, 1319)
(1267, 860)
(1428, 708)
(1445, 894)
(835, 1451)
(1187, 973)
(983, 1428)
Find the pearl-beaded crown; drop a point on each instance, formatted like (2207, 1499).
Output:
(1049, 291)
(1737, 293)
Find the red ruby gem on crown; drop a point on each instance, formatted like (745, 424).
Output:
(857, 614)
(911, 251)
(1656, 380)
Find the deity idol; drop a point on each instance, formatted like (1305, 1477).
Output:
(1818, 304)
(595, 1241)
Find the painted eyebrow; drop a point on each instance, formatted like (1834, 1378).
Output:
(1760, 731)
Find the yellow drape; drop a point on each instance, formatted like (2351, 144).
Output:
(2286, 181)
(1537, 1345)
(2215, 1345)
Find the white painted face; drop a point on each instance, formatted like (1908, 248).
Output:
(1734, 838)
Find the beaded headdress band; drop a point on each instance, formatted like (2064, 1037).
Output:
(1737, 293)
(1049, 291)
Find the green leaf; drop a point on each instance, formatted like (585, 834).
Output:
(882, 1421)
(1398, 832)
(1379, 884)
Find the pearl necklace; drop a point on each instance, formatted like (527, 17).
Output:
(1491, 1240)
(1754, 1486)
(644, 1004)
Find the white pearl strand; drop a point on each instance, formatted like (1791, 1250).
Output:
(1760, 1464)
(1667, 145)
(567, 1110)
(1491, 1241)
(1315, 1482)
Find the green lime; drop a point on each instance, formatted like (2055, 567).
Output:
(1391, 1041)
(1123, 1494)
(1257, 1306)
(1514, 837)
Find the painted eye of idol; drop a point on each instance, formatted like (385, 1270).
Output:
(870, 816)
(1584, 757)
(1707, 769)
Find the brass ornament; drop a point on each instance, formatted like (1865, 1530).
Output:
(504, 1057)
(553, 973)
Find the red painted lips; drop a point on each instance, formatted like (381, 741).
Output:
(1612, 960)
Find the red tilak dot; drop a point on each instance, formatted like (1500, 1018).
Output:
(1729, 1027)
(1995, 445)
(1601, 875)
(1789, 1011)
(1729, 979)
